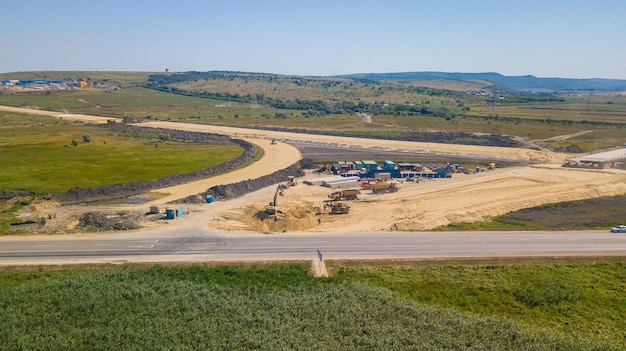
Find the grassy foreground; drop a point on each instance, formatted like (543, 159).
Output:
(280, 307)
(50, 155)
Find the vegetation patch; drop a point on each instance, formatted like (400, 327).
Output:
(52, 156)
(586, 300)
(274, 307)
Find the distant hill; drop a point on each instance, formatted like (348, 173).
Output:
(526, 83)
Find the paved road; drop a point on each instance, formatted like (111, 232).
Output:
(181, 244)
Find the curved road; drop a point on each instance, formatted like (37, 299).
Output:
(189, 240)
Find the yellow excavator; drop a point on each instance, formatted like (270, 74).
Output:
(271, 207)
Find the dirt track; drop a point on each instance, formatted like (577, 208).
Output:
(415, 207)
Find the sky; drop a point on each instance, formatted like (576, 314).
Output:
(544, 38)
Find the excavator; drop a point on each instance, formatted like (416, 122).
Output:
(271, 207)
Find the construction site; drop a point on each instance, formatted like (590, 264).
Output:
(323, 202)
(364, 196)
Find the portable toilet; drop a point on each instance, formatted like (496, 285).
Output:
(169, 213)
(179, 212)
(210, 199)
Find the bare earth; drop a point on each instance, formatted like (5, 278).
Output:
(417, 206)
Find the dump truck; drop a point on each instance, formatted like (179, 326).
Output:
(347, 194)
(337, 207)
(384, 187)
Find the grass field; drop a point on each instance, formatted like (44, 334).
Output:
(47, 155)
(280, 307)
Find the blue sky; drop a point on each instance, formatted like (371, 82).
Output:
(549, 38)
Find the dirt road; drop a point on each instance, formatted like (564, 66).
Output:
(420, 206)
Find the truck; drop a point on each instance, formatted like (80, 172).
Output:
(337, 207)
(346, 194)
(384, 187)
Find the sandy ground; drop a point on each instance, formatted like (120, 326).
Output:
(427, 204)
(417, 206)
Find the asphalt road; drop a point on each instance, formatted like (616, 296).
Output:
(196, 244)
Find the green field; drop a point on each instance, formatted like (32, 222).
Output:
(48, 155)
(277, 307)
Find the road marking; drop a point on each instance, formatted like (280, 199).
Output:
(155, 242)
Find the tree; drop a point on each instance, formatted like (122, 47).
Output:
(87, 138)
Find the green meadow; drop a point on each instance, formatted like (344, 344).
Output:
(46, 155)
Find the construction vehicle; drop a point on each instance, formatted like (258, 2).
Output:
(292, 181)
(366, 183)
(271, 207)
(337, 207)
(492, 165)
(384, 187)
(347, 194)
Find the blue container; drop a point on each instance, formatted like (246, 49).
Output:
(210, 199)
(169, 213)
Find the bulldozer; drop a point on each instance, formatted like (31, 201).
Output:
(292, 181)
(384, 187)
(347, 194)
(337, 207)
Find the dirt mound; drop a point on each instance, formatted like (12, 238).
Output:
(231, 191)
(296, 218)
(112, 221)
(11, 194)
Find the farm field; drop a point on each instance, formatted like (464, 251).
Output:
(429, 307)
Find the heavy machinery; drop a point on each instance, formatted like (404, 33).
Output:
(384, 187)
(271, 207)
(292, 181)
(337, 207)
(347, 194)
